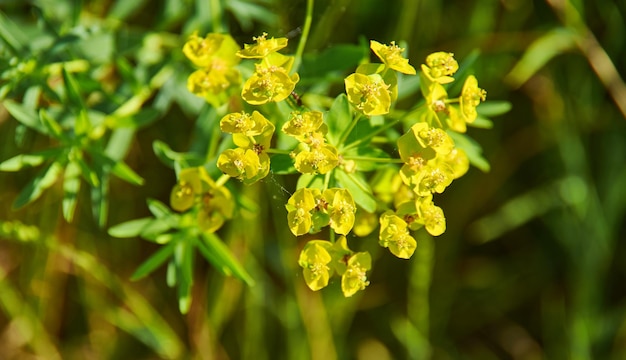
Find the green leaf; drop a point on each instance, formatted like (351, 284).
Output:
(367, 152)
(124, 8)
(71, 188)
(53, 127)
(158, 209)
(359, 188)
(117, 168)
(482, 123)
(218, 254)
(183, 258)
(338, 119)
(90, 176)
(18, 162)
(100, 198)
(141, 119)
(129, 229)
(170, 157)
(25, 116)
(539, 53)
(494, 108)
(282, 164)
(310, 181)
(11, 35)
(71, 91)
(154, 261)
(472, 149)
(33, 190)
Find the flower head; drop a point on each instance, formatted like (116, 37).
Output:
(299, 207)
(314, 260)
(471, 96)
(391, 55)
(268, 84)
(355, 276)
(203, 51)
(318, 160)
(439, 66)
(341, 209)
(368, 93)
(394, 234)
(262, 47)
(184, 193)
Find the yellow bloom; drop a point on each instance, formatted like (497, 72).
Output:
(433, 218)
(317, 160)
(391, 55)
(314, 260)
(439, 66)
(471, 96)
(299, 207)
(355, 276)
(267, 84)
(202, 51)
(394, 234)
(239, 163)
(216, 204)
(262, 48)
(341, 209)
(184, 193)
(302, 124)
(368, 93)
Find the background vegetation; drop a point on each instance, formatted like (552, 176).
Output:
(533, 262)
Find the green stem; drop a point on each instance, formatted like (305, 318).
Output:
(372, 134)
(346, 133)
(374, 159)
(278, 151)
(216, 16)
(222, 180)
(306, 29)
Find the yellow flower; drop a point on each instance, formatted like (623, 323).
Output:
(267, 84)
(368, 93)
(216, 204)
(355, 276)
(391, 55)
(341, 209)
(262, 48)
(239, 163)
(299, 207)
(317, 160)
(202, 51)
(302, 124)
(439, 66)
(471, 96)
(394, 234)
(314, 260)
(243, 123)
(184, 193)
(433, 218)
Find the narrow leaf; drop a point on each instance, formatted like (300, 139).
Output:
(33, 190)
(71, 188)
(154, 261)
(338, 119)
(130, 228)
(25, 116)
(218, 254)
(360, 190)
(53, 127)
(158, 209)
(21, 161)
(494, 108)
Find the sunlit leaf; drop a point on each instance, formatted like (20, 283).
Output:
(33, 190)
(154, 261)
(18, 162)
(359, 188)
(338, 119)
(71, 187)
(25, 116)
(218, 254)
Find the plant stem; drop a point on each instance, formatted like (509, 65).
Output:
(349, 129)
(305, 35)
(374, 159)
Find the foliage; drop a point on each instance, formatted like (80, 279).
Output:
(313, 157)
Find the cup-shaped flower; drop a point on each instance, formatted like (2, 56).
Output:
(239, 163)
(471, 96)
(341, 209)
(439, 66)
(355, 276)
(317, 160)
(184, 193)
(259, 138)
(299, 207)
(202, 51)
(214, 83)
(243, 123)
(391, 55)
(458, 161)
(368, 93)
(216, 204)
(394, 234)
(268, 84)
(302, 124)
(314, 260)
(433, 218)
(434, 138)
(262, 47)
(434, 178)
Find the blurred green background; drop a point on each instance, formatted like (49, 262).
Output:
(532, 265)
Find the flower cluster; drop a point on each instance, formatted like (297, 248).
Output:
(314, 155)
(252, 134)
(217, 77)
(195, 191)
(328, 152)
